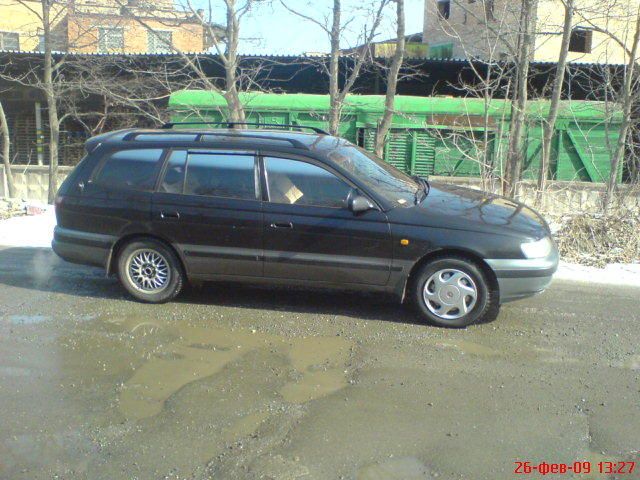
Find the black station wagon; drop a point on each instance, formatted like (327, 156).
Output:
(161, 207)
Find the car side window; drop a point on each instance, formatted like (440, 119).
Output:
(300, 183)
(221, 175)
(173, 180)
(130, 169)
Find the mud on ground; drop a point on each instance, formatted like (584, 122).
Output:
(235, 382)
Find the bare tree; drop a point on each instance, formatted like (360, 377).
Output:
(550, 123)
(48, 88)
(494, 39)
(392, 80)
(120, 92)
(626, 100)
(6, 144)
(335, 30)
(513, 168)
(44, 74)
(225, 46)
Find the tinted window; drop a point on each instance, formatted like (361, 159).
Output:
(301, 183)
(173, 180)
(221, 175)
(130, 169)
(397, 187)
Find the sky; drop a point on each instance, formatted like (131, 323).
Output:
(271, 29)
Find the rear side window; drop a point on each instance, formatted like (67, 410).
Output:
(130, 169)
(221, 175)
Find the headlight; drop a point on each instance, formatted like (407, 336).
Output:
(538, 249)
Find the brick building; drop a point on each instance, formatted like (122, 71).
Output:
(103, 26)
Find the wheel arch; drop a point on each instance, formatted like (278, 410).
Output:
(112, 259)
(465, 254)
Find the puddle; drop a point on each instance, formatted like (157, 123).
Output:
(28, 319)
(144, 394)
(246, 426)
(407, 468)
(322, 361)
(192, 353)
(314, 385)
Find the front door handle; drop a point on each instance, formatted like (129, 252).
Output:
(170, 215)
(282, 225)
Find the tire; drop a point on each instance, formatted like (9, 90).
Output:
(454, 280)
(150, 271)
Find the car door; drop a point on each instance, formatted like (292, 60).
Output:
(311, 235)
(208, 205)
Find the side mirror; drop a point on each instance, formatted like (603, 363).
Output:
(358, 204)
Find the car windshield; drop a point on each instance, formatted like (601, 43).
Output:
(395, 186)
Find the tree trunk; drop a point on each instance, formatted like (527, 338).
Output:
(519, 102)
(236, 110)
(4, 136)
(627, 105)
(392, 81)
(52, 107)
(549, 125)
(334, 71)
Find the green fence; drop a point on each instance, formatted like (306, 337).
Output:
(436, 135)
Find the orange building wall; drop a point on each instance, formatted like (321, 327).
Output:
(83, 33)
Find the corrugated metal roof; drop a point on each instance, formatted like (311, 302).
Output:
(283, 56)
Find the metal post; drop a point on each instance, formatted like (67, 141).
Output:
(39, 135)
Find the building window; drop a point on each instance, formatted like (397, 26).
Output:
(581, 40)
(110, 40)
(40, 46)
(9, 41)
(444, 9)
(159, 41)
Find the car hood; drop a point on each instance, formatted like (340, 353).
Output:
(451, 206)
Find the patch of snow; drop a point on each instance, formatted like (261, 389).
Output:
(613, 274)
(28, 230)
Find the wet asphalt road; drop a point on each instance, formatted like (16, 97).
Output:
(235, 382)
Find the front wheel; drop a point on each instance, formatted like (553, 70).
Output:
(454, 292)
(150, 271)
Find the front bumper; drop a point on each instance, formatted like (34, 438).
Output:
(521, 278)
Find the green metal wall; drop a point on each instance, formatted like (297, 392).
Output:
(438, 136)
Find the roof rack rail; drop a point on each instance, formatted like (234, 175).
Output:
(295, 143)
(233, 124)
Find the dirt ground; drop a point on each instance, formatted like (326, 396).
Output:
(235, 382)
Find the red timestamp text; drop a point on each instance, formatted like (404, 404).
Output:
(576, 468)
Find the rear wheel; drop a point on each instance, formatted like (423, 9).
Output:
(150, 271)
(454, 292)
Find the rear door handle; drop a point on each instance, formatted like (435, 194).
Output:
(282, 225)
(170, 215)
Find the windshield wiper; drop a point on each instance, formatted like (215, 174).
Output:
(424, 190)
